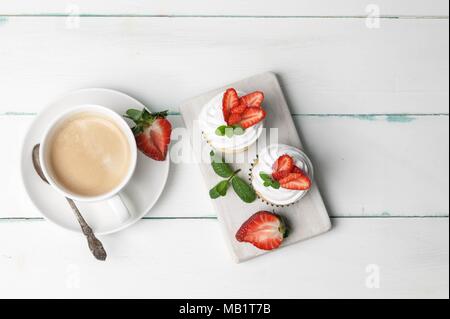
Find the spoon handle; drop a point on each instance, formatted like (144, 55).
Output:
(95, 245)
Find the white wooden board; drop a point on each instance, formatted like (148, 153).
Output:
(325, 65)
(307, 218)
(364, 167)
(188, 259)
(226, 7)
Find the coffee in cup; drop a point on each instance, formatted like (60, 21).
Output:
(88, 154)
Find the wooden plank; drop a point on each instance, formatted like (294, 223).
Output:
(365, 166)
(325, 65)
(182, 259)
(222, 7)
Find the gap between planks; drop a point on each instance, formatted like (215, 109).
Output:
(41, 219)
(355, 115)
(389, 117)
(87, 15)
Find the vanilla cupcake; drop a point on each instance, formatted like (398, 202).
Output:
(281, 175)
(230, 123)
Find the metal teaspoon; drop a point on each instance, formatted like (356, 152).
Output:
(95, 245)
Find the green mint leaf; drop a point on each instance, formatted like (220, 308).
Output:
(221, 130)
(220, 167)
(219, 190)
(267, 184)
(213, 193)
(243, 189)
(265, 177)
(238, 130)
(222, 187)
(229, 131)
(275, 184)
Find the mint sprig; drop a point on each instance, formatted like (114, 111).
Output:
(269, 181)
(240, 186)
(222, 188)
(229, 130)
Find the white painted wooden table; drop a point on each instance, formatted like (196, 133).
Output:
(370, 99)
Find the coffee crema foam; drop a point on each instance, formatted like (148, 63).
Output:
(89, 155)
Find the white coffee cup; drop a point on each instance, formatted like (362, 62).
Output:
(113, 197)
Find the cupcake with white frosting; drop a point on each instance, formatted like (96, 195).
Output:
(230, 123)
(281, 175)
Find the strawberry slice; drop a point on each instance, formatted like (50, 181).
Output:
(230, 100)
(252, 116)
(296, 181)
(282, 167)
(253, 99)
(263, 230)
(238, 109)
(234, 119)
(298, 170)
(152, 132)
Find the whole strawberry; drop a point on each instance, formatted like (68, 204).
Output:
(264, 230)
(152, 132)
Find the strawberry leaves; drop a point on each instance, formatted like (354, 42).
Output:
(241, 187)
(135, 115)
(143, 119)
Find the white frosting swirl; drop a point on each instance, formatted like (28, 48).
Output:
(266, 159)
(211, 117)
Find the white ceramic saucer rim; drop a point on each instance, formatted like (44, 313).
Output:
(125, 225)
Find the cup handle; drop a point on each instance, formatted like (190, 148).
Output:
(118, 207)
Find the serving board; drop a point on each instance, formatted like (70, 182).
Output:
(306, 219)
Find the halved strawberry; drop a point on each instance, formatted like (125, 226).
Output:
(253, 99)
(282, 167)
(296, 181)
(230, 100)
(263, 230)
(234, 119)
(152, 132)
(238, 109)
(252, 116)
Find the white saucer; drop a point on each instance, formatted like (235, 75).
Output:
(140, 194)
